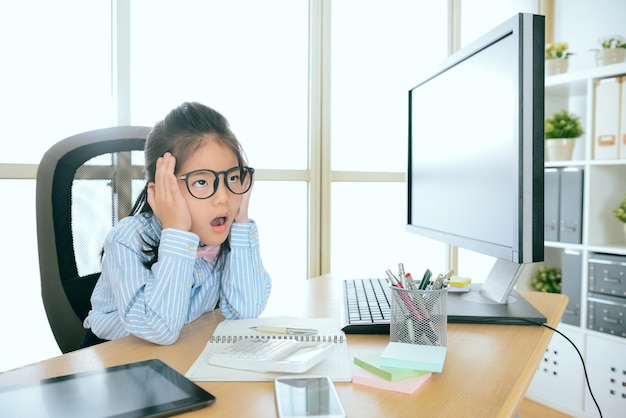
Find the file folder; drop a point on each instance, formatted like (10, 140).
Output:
(606, 119)
(571, 206)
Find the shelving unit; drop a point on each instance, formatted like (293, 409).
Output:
(560, 377)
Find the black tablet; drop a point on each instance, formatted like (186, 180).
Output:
(148, 388)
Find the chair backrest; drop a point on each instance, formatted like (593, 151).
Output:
(85, 184)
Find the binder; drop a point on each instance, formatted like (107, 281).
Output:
(552, 187)
(606, 118)
(622, 123)
(571, 272)
(571, 205)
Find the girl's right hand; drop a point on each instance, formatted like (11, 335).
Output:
(165, 198)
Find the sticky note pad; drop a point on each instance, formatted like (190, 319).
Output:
(457, 281)
(370, 362)
(409, 385)
(428, 358)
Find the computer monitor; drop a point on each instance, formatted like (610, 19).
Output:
(476, 163)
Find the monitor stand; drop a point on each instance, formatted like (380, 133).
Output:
(494, 301)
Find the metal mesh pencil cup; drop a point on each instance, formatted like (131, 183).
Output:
(419, 316)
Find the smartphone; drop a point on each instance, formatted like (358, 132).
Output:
(300, 396)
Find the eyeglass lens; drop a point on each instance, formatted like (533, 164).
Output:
(203, 183)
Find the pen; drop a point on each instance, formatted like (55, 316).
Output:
(284, 330)
(393, 279)
(401, 272)
(405, 296)
(425, 279)
(447, 278)
(409, 281)
(443, 280)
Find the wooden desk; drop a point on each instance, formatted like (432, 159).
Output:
(487, 371)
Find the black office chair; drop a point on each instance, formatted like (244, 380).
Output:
(85, 184)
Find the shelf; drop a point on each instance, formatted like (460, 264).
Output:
(589, 320)
(618, 249)
(568, 163)
(576, 82)
(582, 163)
(604, 183)
(563, 245)
(608, 163)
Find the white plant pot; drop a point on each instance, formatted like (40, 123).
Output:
(559, 149)
(556, 66)
(608, 56)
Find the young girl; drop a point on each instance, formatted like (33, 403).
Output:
(188, 244)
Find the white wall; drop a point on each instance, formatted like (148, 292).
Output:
(581, 23)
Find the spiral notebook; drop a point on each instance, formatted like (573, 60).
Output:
(337, 365)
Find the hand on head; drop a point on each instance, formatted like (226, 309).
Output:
(165, 198)
(242, 214)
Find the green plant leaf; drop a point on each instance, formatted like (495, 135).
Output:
(563, 124)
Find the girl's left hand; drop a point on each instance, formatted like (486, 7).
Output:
(242, 214)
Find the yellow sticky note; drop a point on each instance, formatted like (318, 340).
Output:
(457, 281)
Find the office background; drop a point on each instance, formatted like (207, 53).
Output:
(315, 90)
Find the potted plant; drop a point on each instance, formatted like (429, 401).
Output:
(620, 213)
(560, 131)
(556, 55)
(613, 50)
(547, 279)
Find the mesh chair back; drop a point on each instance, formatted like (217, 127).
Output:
(85, 184)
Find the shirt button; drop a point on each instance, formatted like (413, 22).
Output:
(191, 248)
(187, 286)
(253, 236)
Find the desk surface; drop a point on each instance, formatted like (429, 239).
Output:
(487, 371)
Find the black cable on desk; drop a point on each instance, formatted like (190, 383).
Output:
(582, 360)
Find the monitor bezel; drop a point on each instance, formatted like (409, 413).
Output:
(527, 30)
(495, 300)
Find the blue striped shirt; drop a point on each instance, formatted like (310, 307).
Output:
(155, 303)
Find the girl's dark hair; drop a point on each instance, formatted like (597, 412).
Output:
(181, 133)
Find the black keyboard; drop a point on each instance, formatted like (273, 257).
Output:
(367, 306)
(366, 309)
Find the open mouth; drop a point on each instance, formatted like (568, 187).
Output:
(219, 221)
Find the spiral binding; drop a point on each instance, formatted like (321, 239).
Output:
(304, 338)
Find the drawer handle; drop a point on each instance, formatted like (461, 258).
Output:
(573, 227)
(617, 321)
(572, 311)
(617, 280)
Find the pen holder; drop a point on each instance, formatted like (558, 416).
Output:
(419, 316)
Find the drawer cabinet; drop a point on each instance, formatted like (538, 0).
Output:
(607, 274)
(606, 314)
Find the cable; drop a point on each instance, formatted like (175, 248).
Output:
(582, 360)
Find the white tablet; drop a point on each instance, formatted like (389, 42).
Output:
(144, 389)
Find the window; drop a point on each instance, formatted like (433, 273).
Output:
(253, 68)
(378, 54)
(475, 21)
(55, 81)
(56, 74)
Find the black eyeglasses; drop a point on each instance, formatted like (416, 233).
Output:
(203, 184)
